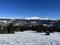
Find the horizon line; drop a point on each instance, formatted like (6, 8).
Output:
(29, 17)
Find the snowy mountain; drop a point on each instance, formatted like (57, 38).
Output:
(28, 21)
(28, 18)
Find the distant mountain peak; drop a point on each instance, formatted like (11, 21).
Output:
(36, 18)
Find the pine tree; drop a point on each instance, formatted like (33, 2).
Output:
(10, 28)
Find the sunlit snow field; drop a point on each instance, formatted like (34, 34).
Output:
(30, 38)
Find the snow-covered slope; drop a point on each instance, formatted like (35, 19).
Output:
(28, 18)
(30, 38)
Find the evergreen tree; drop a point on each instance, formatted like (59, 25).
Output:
(10, 28)
(16, 28)
(1, 29)
(5, 30)
(40, 28)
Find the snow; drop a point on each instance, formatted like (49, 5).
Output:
(34, 17)
(30, 38)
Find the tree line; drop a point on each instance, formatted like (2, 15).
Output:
(38, 28)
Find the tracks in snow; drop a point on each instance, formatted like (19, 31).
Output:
(53, 42)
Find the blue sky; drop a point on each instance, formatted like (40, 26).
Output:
(29, 8)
